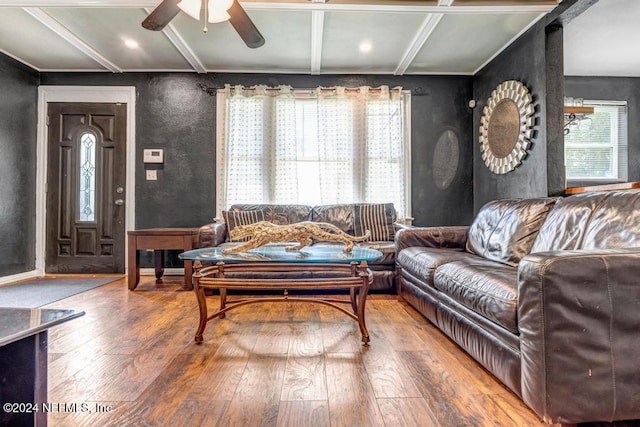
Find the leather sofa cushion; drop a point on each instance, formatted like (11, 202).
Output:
(600, 220)
(339, 215)
(504, 230)
(278, 214)
(486, 287)
(422, 262)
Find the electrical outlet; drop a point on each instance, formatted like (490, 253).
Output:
(152, 175)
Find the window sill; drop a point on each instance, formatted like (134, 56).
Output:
(603, 187)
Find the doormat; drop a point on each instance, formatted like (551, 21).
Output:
(38, 292)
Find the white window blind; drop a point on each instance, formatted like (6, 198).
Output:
(596, 145)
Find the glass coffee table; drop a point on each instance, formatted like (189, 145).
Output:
(272, 267)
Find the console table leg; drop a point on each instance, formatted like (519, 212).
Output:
(159, 263)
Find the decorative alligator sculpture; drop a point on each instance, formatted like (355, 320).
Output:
(265, 232)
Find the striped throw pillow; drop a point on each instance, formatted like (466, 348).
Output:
(234, 219)
(377, 218)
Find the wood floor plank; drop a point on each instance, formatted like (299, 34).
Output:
(257, 396)
(306, 330)
(308, 413)
(275, 333)
(413, 412)
(224, 371)
(304, 378)
(394, 327)
(170, 387)
(199, 413)
(351, 398)
(387, 373)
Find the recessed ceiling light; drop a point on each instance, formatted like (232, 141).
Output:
(365, 47)
(131, 44)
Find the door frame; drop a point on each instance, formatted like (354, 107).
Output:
(105, 94)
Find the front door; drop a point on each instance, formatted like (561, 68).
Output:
(86, 188)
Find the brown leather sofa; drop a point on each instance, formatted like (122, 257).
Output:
(341, 215)
(545, 294)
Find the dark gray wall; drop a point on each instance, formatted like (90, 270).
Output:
(525, 61)
(18, 124)
(614, 89)
(535, 59)
(176, 114)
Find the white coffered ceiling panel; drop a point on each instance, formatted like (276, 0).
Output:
(106, 29)
(24, 38)
(388, 34)
(476, 37)
(287, 35)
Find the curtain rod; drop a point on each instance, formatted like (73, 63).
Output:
(211, 90)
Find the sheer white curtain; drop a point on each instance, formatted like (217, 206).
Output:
(320, 146)
(256, 137)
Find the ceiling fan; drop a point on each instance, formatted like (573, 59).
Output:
(214, 11)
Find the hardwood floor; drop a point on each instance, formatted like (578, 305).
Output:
(276, 364)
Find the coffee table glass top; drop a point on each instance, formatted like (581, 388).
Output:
(278, 253)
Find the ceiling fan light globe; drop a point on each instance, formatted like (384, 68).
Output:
(216, 16)
(220, 4)
(191, 8)
(218, 10)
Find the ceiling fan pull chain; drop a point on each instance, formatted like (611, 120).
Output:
(206, 15)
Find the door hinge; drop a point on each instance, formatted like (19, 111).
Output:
(47, 120)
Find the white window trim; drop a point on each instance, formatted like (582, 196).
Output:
(614, 146)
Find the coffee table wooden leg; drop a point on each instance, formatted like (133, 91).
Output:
(362, 299)
(354, 303)
(202, 303)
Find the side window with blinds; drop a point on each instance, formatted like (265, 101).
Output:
(595, 147)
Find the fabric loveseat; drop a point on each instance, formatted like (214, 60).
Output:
(545, 294)
(353, 219)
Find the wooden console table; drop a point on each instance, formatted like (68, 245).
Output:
(159, 239)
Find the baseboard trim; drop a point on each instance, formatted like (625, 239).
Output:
(17, 277)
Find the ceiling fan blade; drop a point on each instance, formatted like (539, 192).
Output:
(161, 15)
(244, 26)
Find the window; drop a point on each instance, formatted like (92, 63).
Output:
(322, 146)
(87, 187)
(595, 146)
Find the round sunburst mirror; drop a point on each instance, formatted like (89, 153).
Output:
(506, 127)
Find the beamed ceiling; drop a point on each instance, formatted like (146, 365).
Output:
(306, 37)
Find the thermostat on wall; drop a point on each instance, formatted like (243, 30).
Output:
(153, 155)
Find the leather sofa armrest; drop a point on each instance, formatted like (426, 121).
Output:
(578, 316)
(213, 234)
(453, 237)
